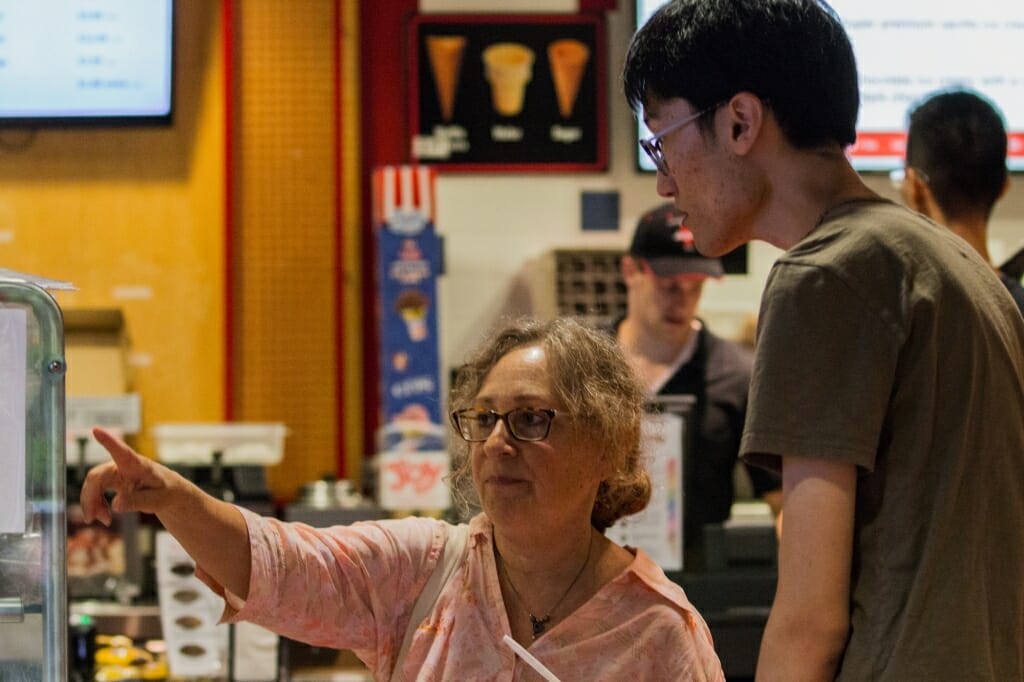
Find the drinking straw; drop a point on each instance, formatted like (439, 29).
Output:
(530, 660)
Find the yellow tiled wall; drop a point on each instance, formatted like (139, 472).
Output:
(134, 217)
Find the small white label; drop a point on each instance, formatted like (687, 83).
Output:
(506, 133)
(13, 361)
(132, 292)
(566, 134)
(140, 359)
(431, 147)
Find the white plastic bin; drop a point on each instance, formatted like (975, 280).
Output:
(241, 443)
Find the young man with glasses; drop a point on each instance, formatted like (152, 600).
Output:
(888, 380)
(675, 354)
(956, 168)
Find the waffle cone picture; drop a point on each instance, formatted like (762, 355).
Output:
(508, 68)
(445, 54)
(568, 61)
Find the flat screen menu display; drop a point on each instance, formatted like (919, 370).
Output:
(85, 60)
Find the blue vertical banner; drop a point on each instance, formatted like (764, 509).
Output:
(408, 263)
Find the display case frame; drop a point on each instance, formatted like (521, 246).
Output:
(33, 592)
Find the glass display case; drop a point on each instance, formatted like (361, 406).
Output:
(33, 601)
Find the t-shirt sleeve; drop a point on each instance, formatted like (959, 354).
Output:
(823, 371)
(342, 587)
(763, 480)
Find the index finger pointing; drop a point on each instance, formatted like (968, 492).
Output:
(127, 460)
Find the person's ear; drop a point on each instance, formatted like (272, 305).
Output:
(627, 266)
(746, 116)
(914, 191)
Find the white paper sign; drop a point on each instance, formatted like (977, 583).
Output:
(13, 360)
(658, 529)
(413, 480)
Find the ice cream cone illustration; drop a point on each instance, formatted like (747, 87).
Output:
(508, 67)
(568, 61)
(412, 306)
(445, 53)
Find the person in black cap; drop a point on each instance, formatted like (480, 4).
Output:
(675, 354)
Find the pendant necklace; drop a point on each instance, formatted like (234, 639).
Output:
(540, 624)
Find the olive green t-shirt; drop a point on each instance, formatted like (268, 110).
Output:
(885, 341)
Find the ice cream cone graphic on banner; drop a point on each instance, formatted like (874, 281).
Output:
(508, 68)
(445, 54)
(412, 307)
(568, 61)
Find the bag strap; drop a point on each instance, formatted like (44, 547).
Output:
(451, 556)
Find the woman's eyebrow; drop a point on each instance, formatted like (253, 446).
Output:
(520, 398)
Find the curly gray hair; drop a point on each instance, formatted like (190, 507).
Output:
(591, 377)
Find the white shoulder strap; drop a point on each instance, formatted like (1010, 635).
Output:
(451, 556)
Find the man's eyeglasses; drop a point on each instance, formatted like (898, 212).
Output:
(524, 423)
(652, 144)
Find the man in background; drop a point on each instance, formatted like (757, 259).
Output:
(956, 168)
(675, 354)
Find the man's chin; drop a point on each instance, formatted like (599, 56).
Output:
(679, 323)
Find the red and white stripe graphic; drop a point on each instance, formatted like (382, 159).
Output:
(407, 190)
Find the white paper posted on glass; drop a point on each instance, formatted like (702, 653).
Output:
(658, 529)
(13, 332)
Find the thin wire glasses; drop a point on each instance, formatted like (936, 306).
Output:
(652, 144)
(524, 423)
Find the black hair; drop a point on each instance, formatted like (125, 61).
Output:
(793, 54)
(957, 140)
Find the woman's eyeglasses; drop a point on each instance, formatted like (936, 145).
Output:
(524, 423)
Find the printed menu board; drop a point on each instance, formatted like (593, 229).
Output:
(505, 93)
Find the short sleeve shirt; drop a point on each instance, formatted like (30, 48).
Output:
(888, 343)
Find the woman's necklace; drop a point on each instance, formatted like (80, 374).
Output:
(540, 624)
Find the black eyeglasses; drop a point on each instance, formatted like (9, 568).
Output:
(524, 423)
(652, 144)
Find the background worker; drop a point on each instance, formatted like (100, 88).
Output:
(676, 354)
(956, 168)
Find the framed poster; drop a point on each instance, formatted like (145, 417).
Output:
(517, 92)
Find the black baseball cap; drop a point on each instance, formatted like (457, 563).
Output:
(666, 244)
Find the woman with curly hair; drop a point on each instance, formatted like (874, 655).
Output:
(548, 415)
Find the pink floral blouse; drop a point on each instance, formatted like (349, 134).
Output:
(353, 587)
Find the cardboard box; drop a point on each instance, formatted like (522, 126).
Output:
(96, 348)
